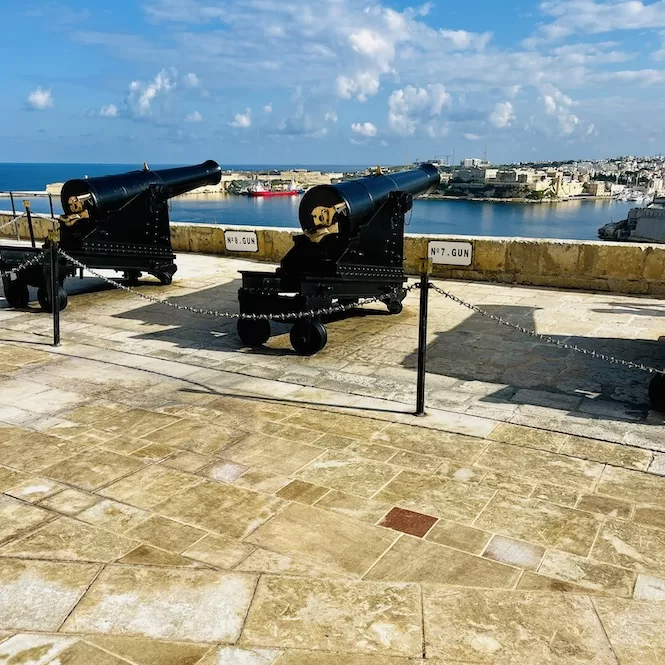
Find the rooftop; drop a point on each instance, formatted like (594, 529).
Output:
(170, 497)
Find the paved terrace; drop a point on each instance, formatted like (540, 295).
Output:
(172, 499)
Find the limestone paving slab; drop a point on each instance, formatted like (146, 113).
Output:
(587, 573)
(414, 560)
(70, 501)
(66, 539)
(93, 469)
(17, 517)
(223, 509)
(632, 486)
(197, 437)
(566, 471)
(113, 516)
(165, 603)
(506, 628)
(355, 507)
(166, 534)
(436, 495)
(333, 615)
(635, 630)
(219, 551)
(46, 649)
(541, 523)
(458, 536)
(148, 651)
(325, 539)
(149, 486)
(633, 546)
(434, 442)
(272, 454)
(348, 473)
(39, 595)
(264, 561)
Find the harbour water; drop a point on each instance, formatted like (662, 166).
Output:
(577, 219)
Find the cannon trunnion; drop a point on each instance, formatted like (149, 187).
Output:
(352, 247)
(121, 221)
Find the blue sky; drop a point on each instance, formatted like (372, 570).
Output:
(330, 81)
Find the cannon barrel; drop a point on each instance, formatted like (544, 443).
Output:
(358, 200)
(108, 193)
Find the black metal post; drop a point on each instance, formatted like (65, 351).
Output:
(11, 198)
(50, 203)
(55, 300)
(425, 269)
(28, 214)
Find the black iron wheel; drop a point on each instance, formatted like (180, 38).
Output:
(45, 300)
(394, 306)
(16, 293)
(165, 278)
(308, 337)
(657, 392)
(132, 277)
(253, 333)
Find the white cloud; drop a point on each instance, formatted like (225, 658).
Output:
(410, 107)
(267, 109)
(40, 99)
(142, 95)
(242, 120)
(194, 117)
(461, 40)
(472, 137)
(597, 16)
(364, 129)
(192, 80)
(558, 104)
(503, 115)
(330, 116)
(361, 86)
(108, 111)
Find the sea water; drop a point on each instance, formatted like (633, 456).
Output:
(578, 219)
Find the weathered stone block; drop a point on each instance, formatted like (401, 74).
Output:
(620, 261)
(490, 255)
(654, 264)
(523, 256)
(559, 258)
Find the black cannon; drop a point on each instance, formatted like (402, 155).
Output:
(352, 248)
(118, 222)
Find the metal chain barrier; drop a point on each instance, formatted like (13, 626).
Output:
(26, 264)
(547, 338)
(12, 221)
(289, 316)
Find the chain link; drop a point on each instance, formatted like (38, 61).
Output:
(546, 338)
(26, 264)
(288, 316)
(12, 221)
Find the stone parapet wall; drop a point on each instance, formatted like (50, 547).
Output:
(570, 264)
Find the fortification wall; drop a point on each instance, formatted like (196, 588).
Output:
(569, 264)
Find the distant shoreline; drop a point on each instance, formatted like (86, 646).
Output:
(492, 199)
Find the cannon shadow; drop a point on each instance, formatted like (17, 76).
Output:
(521, 369)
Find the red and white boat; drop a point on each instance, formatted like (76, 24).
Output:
(259, 189)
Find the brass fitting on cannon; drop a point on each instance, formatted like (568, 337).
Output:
(325, 221)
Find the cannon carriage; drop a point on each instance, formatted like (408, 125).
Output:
(117, 222)
(352, 247)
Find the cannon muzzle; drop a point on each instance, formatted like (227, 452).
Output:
(343, 208)
(111, 193)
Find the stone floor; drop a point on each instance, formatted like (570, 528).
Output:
(171, 498)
